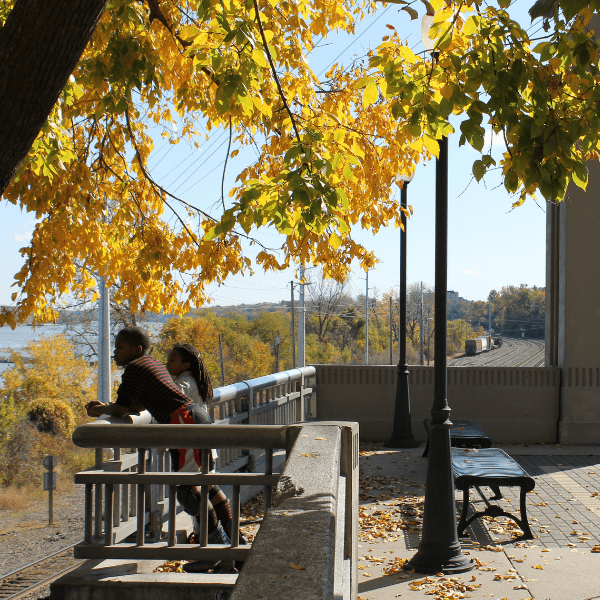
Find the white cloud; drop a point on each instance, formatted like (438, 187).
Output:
(495, 139)
(23, 237)
(469, 272)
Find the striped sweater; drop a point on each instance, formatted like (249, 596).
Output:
(147, 380)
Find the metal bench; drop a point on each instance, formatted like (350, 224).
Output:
(463, 434)
(494, 468)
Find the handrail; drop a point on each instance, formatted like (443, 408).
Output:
(241, 389)
(96, 435)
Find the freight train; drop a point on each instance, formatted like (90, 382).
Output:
(480, 344)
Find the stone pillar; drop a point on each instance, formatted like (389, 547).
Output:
(573, 308)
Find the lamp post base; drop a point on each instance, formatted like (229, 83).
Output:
(431, 559)
(402, 436)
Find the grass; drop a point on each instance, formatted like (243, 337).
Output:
(14, 498)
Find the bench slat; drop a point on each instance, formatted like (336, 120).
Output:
(464, 433)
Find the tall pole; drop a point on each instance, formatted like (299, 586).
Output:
(367, 321)
(428, 353)
(490, 316)
(422, 361)
(439, 549)
(104, 383)
(221, 360)
(301, 323)
(293, 330)
(391, 338)
(402, 436)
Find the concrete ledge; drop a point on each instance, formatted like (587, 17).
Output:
(294, 551)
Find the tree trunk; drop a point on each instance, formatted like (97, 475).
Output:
(40, 44)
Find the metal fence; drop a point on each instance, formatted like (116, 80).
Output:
(113, 488)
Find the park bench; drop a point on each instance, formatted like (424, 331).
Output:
(463, 434)
(493, 468)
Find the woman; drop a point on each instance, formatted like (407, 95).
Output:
(186, 367)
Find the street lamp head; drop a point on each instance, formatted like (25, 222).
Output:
(426, 23)
(407, 178)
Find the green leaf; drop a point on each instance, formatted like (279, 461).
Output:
(478, 170)
(580, 175)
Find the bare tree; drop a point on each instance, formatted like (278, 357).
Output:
(325, 299)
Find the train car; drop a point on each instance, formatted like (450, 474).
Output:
(480, 344)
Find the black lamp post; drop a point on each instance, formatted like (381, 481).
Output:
(402, 436)
(439, 549)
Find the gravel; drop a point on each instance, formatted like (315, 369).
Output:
(26, 536)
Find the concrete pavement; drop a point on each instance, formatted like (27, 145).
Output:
(561, 563)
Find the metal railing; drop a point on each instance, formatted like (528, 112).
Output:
(280, 398)
(318, 486)
(277, 399)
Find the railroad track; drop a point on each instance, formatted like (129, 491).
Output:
(514, 352)
(37, 574)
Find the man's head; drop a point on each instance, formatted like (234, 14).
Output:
(130, 343)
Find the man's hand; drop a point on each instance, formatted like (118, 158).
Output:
(95, 408)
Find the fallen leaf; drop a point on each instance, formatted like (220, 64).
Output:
(298, 567)
(311, 455)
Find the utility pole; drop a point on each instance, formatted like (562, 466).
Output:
(428, 319)
(301, 323)
(422, 361)
(277, 344)
(221, 360)
(104, 384)
(293, 330)
(367, 321)
(490, 317)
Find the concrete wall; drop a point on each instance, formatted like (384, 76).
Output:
(573, 284)
(511, 404)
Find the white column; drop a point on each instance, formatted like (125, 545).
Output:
(104, 375)
(301, 323)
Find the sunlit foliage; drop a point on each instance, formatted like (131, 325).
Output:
(330, 150)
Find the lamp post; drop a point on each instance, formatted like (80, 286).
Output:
(402, 436)
(439, 549)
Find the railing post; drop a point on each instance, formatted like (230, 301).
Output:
(301, 406)
(141, 499)
(349, 470)
(99, 461)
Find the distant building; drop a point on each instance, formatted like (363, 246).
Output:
(452, 296)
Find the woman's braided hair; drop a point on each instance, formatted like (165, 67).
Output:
(190, 354)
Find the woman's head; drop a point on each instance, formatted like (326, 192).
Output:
(186, 357)
(176, 363)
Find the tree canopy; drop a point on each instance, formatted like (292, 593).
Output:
(331, 150)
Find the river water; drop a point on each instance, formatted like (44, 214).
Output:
(18, 338)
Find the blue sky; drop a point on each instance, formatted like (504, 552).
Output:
(490, 244)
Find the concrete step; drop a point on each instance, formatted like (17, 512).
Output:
(135, 580)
